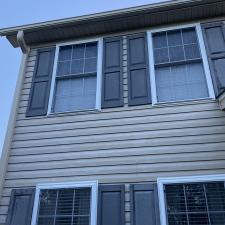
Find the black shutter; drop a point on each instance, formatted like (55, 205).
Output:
(144, 204)
(214, 35)
(20, 207)
(112, 82)
(41, 83)
(138, 70)
(111, 205)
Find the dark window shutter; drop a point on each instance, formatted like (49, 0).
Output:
(112, 82)
(138, 70)
(20, 207)
(111, 205)
(41, 83)
(144, 204)
(214, 35)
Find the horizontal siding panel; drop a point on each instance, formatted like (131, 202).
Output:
(155, 135)
(147, 142)
(111, 128)
(195, 118)
(118, 161)
(118, 113)
(116, 169)
(189, 169)
(34, 155)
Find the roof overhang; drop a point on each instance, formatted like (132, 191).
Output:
(116, 21)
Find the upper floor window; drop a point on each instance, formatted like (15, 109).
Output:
(178, 69)
(77, 77)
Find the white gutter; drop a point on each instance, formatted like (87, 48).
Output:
(12, 118)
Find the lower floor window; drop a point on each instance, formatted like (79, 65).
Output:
(195, 203)
(64, 206)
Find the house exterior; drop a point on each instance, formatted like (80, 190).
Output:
(118, 119)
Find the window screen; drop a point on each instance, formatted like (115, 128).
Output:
(196, 203)
(64, 207)
(76, 77)
(179, 69)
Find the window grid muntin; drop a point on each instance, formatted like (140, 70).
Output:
(185, 60)
(71, 59)
(188, 213)
(73, 215)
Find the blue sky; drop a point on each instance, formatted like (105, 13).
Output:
(13, 13)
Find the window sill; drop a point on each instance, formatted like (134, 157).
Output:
(183, 102)
(75, 112)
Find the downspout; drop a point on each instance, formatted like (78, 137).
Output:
(12, 118)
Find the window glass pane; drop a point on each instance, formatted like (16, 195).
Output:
(65, 53)
(47, 202)
(46, 221)
(91, 50)
(63, 220)
(181, 82)
(192, 51)
(161, 55)
(189, 36)
(63, 87)
(159, 40)
(90, 65)
(75, 94)
(77, 66)
(174, 38)
(175, 198)
(177, 219)
(216, 196)
(195, 197)
(176, 53)
(82, 202)
(78, 51)
(197, 219)
(217, 218)
(84, 220)
(63, 68)
(65, 202)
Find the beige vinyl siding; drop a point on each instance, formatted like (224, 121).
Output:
(119, 145)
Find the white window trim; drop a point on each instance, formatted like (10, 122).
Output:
(203, 54)
(174, 180)
(94, 196)
(99, 73)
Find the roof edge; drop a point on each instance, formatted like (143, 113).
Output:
(15, 29)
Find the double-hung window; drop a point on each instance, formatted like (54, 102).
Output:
(65, 204)
(77, 77)
(192, 202)
(178, 69)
